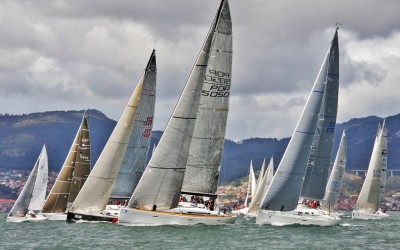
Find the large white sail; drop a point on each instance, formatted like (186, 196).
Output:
(251, 183)
(20, 207)
(262, 188)
(372, 189)
(135, 159)
(284, 191)
(40, 187)
(96, 191)
(161, 184)
(334, 184)
(319, 162)
(75, 170)
(201, 176)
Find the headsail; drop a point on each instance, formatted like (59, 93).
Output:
(372, 189)
(96, 191)
(207, 144)
(135, 158)
(75, 170)
(161, 183)
(20, 207)
(251, 184)
(320, 158)
(332, 190)
(284, 191)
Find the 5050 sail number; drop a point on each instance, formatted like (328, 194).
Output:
(222, 84)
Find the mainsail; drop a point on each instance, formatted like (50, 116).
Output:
(73, 173)
(251, 184)
(161, 183)
(96, 191)
(320, 158)
(336, 177)
(202, 169)
(32, 192)
(373, 188)
(135, 158)
(284, 191)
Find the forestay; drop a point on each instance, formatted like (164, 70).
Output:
(135, 158)
(161, 183)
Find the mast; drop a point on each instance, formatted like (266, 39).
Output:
(285, 188)
(161, 183)
(202, 168)
(96, 191)
(319, 162)
(135, 158)
(75, 170)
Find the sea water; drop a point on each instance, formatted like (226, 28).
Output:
(244, 234)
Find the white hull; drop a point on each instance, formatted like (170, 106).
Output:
(55, 216)
(303, 216)
(369, 216)
(112, 210)
(26, 219)
(135, 217)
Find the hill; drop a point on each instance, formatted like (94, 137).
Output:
(22, 136)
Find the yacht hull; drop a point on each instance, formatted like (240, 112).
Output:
(369, 216)
(135, 217)
(302, 217)
(26, 219)
(98, 217)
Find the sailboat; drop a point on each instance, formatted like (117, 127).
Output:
(262, 187)
(72, 176)
(300, 165)
(32, 196)
(188, 155)
(251, 190)
(125, 153)
(372, 191)
(332, 190)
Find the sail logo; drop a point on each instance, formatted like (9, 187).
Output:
(220, 84)
(147, 132)
(331, 128)
(376, 173)
(149, 121)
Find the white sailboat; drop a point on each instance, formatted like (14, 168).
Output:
(125, 152)
(262, 187)
(251, 190)
(372, 191)
(332, 190)
(188, 155)
(72, 176)
(32, 196)
(301, 168)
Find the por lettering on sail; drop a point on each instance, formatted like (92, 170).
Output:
(220, 84)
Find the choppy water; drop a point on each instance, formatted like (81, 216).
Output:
(244, 234)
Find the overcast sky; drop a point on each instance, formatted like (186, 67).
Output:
(79, 54)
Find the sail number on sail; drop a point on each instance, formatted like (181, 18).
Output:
(147, 131)
(220, 84)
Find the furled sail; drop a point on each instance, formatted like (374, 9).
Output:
(135, 159)
(320, 158)
(372, 189)
(262, 188)
(96, 191)
(284, 191)
(73, 173)
(207, 144)
(332, 190)
(161, 183)
(20, 207)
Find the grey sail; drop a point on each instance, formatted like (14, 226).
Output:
(320, 158)
(20, 207)
(96, 191)
(262, 187)
(334, 184)
(284, 191)
(372, 189)
(201, 176)
(161, 183)
(135, 158)
(75, 170)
